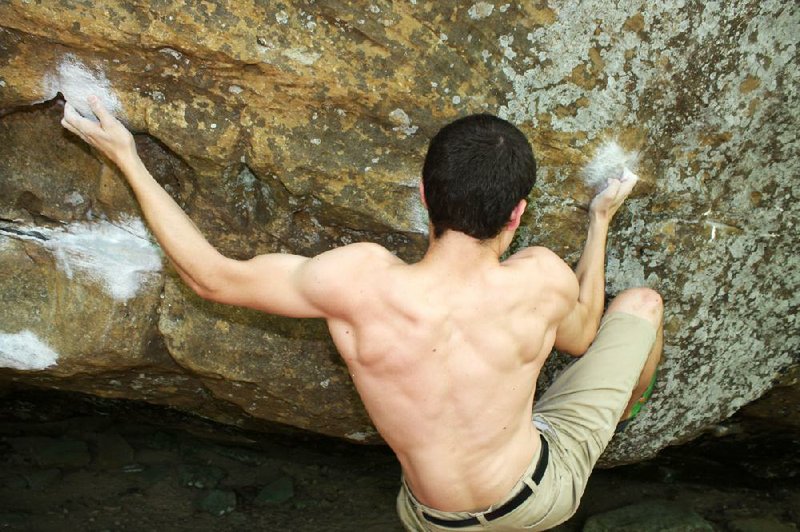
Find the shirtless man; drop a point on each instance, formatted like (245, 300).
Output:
(445, 353)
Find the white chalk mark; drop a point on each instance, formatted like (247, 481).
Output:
(120, 257)
(609, 162)
(77, 82)
(25, 351)
(359, 436)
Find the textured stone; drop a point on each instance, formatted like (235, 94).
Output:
(653, 516)
(218, 502)
(201, 476)
(299, 381)
(300, 126)
(278, 491)
(760, 524)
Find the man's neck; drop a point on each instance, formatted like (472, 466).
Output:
(455, 251)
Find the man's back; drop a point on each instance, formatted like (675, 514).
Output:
(445, 354)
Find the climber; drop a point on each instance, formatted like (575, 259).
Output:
(445, 352)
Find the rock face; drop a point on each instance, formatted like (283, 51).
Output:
(300, 126)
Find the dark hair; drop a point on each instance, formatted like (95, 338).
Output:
(476, 171)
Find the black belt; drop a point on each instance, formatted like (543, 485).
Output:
(509, 506)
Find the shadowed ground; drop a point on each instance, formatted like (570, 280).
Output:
(72, 462)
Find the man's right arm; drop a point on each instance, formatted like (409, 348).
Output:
(577, 330)
(283, 284)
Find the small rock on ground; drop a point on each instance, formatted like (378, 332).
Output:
(760, 524)
(218, 502)
(653, 516)
(276, 492)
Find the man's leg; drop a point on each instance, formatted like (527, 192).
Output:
(647, 304)
(579, 411)
(591, 395)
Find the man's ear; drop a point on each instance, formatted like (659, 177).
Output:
(516, 215)
(422, 193)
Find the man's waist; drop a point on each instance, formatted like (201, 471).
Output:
(454, 487)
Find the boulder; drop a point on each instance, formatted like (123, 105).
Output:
(300, 126)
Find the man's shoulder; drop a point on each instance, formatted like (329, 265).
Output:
(545, 264)
(539, 255)
(354, 259)
(361, 251)
(338, 280)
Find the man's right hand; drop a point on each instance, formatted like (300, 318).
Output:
(109, 136)
(609, 200)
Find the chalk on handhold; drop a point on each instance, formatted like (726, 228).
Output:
(25, 351)
(610, 161)
(76, 82)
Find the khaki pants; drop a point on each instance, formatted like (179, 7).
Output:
(577, 415)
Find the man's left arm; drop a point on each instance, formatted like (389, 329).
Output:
(578, 329)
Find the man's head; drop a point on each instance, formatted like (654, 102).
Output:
(476, 172)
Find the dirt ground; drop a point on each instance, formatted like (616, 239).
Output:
(70, 462)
